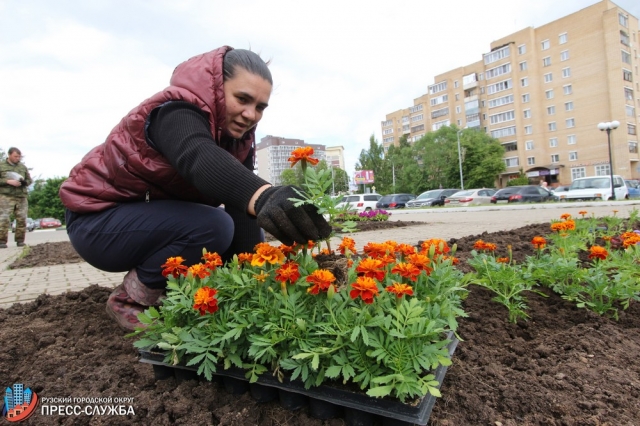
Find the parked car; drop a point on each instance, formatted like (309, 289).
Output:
(596, 188)
(359, 202)
(633, 187)
(37, 223)
(470, 197)
(559, 190)
(394, 201)
(522, 194)
(30, 225)
(434, 197)
(49, 222)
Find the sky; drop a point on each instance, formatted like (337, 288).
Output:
(70, 70)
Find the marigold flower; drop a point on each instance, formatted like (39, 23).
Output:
(262, 276)
(629, 239)
(406, 270)
(364, 287)
(406, 249)
(582, 213)
(347, 244)
(420, 261)
(400, 289)
(539, 243)
(481, 245)
(570, 225)
(392, 245)
(320, 279)
(199, 270)
(288, 272)
(174, 267)
(267, 253)
(502, 260)
(567, 225)
(303, 154)
(287, 250)
(205, 300)
(212, 260)
(441, 246)
(372, 268)
(598, 252)
(454, 260)
(245, 257)
(377, 250)
(565, 216)
(326, 251)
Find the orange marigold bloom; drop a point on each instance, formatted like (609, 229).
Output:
(502, 260)
(262, 276)
(406, 249)
(582, 212)
(372, 268)
(265, 252)
(365, 288)
(174, 267)
(320, 279)
(629, 239)
(288, 272)
(303, 154)
(199, 270)
(326, 251)
(421, 262)
(400, 289)
(557, 226)
(347, 244)
(349, 263)
(454, 260)
(406, 270)
(570, 225)
(565, 216)
(245, 257)
(481, 245)
(287, 250)
(376, 250)
(392, 244)
(205, 300)
(388, 259)
(539, 243)
(212, 260)
(606, 237)
(598, 252)
(440, 245)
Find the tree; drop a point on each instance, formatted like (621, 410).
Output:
(482, 159)
(373, 159)
(44, 200)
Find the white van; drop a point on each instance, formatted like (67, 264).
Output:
(595, 188)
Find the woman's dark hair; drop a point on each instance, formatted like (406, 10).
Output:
(247, 60)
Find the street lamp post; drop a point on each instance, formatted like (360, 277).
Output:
(460, 161)
(608, 127)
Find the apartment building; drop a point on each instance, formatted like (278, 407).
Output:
(542, 92)
(272, 155)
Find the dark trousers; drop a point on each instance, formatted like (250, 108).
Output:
(144, 235)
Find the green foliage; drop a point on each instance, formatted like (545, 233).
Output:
(522, 179)
(44, 200)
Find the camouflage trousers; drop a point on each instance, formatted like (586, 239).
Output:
(19, 207)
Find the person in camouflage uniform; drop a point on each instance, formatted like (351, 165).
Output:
(14, 181)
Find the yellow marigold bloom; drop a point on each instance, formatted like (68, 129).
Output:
(303, 154)
(539, 243)
(365, 288)
(565, 216)
(598, 252)
(199, 270)
(406, 249)
(582, 213)
(502, 260)
(406, 270)
(369, 267)
(262, 276)
(400, 289)
(347, 244)
(320, 279)
(441, 246)
(267, 253)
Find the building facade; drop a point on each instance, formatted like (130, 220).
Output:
(542, 92)
(272, 155)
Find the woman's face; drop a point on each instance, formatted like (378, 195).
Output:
(246, 96)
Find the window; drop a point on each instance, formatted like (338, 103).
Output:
(524, 82)
(549, 94)
(525, 98)
(573, 155)
(435, 126)
(439, 87)
(568, 106)
(522, 49)
(439, 100)
(570, 122)
(553, 142)
(419, 117)
(571, 139)
(566, 72)
(546, 61)
(628, 94)
(415, 109)
(523, 66)
(510, 146)
(526, 113)
(505, 131)
(387, 123)
(552, 126)
(405, 119)
(623, 20)
(499, 86)
(455, 84)
(531, 161)
(631, 129)
(626, 75)
(624, 38)
(545, 44)
(388, 140)
(562, 38)
(528, 145)
(439, 112)
(528, 130)
(499, 70)
(417, 128)
(551, 110)
(568, 89)
(626, 57)
(511, 162)
(500, 101)
(578, 172)
(631, 111)
(387, 131)
(555, 158)
(633, 147)
(602, 170)
(458, 110)
(496, 55)
(548, 78)
(457, 96)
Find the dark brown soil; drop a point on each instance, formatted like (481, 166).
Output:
(565, 366)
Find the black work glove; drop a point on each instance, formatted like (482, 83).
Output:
(289, 224)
